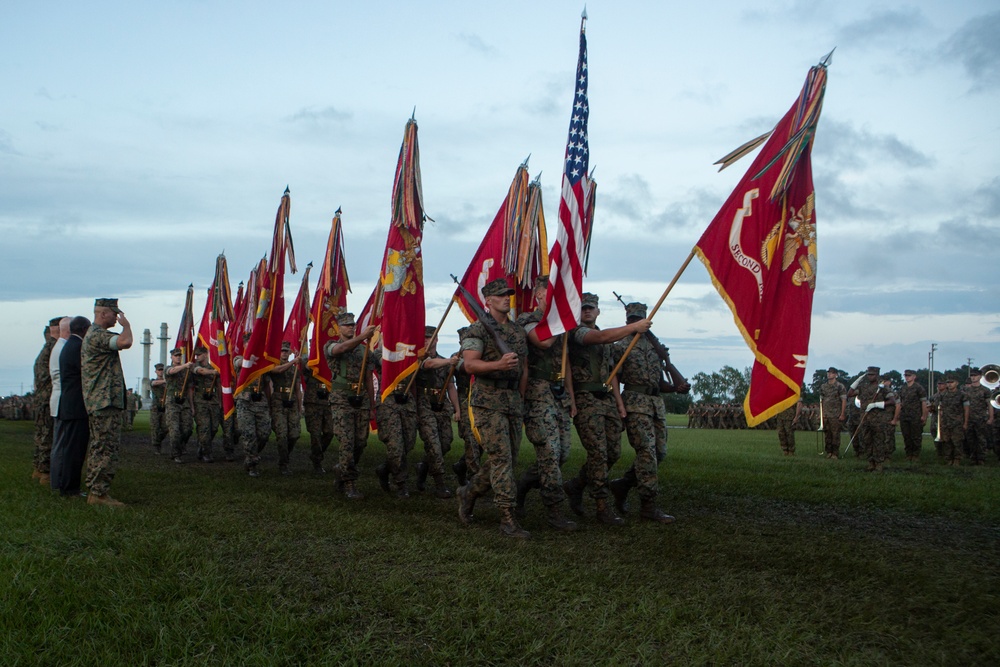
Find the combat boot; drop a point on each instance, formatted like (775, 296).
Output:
(460, 468)
(619, 489)
(421, 475)
(606, 515)
(94, 499)
(441, 490)
(509, 527)
(650, 512)
(466, 504)
(402, 492)
(351, 491)
(556, 520)
(574, 493)
(382, 472)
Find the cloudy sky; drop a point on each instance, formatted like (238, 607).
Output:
(138, 140)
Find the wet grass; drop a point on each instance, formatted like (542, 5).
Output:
(773, 560)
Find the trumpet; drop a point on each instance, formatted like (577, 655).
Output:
(991, 376)
(937, 418)
(820, 416)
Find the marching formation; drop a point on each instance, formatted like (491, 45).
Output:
(532, 359)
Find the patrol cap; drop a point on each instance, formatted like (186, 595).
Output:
(542, 281)
(831, 369)
(345, 318)
(588, 300)
(429, 331)
(635, 309)
(176, 350)
(108, 303)
(285, 346)
(886, 376)
(54, 322)
(909, 371)
(952, 377)
(874, 370)
(975, 372)
(498, 287)
(158, 367)
(201, 349)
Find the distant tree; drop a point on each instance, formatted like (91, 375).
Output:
(677, 404)
(727, 385)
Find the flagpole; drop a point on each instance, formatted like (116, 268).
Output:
(364, 357)
(635, 339)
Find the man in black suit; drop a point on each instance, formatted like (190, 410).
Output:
(70, 451)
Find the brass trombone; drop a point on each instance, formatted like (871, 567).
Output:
(820, 429)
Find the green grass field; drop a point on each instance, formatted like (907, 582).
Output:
(773, 560)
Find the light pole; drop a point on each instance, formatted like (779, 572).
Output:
(930, 370)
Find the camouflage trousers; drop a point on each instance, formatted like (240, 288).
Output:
(230, 434)
(473, 452)
(648, 437)
(786, 435)
(831, 437)
(208, 418)
(157, 426)
(872, 436)
(319, 425)
(435, 433)
(43, 439)
(913, 431)
(287, 427)
(952, 439)
(548, 427)
(350, 428)
(600, 434)
(253, 420)
(499, 434)
(397, 428)
(975, 440)
(105, 439)
(180, 425)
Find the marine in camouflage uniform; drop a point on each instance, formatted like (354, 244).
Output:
(872, 441)
(43, 413)
(468, 465)
(599, 410)
(786, 428)
(911, 412)
(104, 396)
(891, 420)
(350, 406)
(319, 419)
(253, 418)
(284, 404)
(396, 416)
(434, 377)
(179, 415)
(980, 417)
(157, 411)
(833, 399)
(496, 405)
(547, 421)
(207, 402)
(645, 414)
(952, 410)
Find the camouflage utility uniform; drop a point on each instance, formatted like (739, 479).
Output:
(43, 413)
(285, 417)
(180, 421)
(104, 398)
(832, 397)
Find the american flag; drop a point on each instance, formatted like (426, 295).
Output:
(566, 260)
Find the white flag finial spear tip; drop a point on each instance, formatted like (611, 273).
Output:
(525, 163)
(827, 59)
(413, 116)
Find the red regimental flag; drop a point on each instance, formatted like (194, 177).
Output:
(402, 276)
(760, 251)
(185, 330)
(329, 301)
(212, 333)
(263, 351)
(298, 319)
(567, 257)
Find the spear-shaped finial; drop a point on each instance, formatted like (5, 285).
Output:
(827, 59)
(583, 18)
(337, 212)
(413, 116)
(525, 163)
(538, 179)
